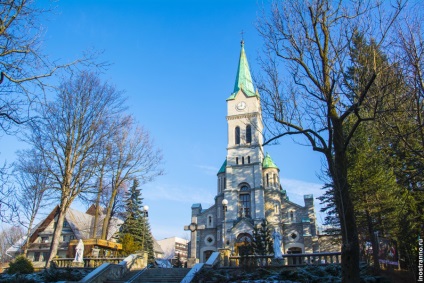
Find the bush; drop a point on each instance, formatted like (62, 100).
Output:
(18, 279)
(54, 275)
(20, 265)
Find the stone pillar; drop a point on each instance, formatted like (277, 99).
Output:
(193, 227)
(191, 262)
(225, 256)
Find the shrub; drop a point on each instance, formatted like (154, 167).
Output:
(20, 265)
(54, 275)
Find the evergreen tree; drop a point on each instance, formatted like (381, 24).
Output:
(262, 240)
(380, 168)
(135, 232)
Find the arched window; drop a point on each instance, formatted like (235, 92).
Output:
(242, 160)
(292, 219)
(248, 159)
(244, 202)
(237, 135)
(275, 179)
(267, 180)
(248, 134)
(237, 160)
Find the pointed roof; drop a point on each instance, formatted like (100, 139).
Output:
(222, 169)
(268, 163)
(243, 78)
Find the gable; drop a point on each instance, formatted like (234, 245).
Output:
(242, 226)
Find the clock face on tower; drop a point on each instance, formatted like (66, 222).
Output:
(241, 105)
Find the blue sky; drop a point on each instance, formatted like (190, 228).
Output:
(176, 62)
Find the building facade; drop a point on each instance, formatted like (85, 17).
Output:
(77, 225)
(249, 186)
(175, 250)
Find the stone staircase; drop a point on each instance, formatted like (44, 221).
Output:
(154, 275)
(165, 275)
(127, 277)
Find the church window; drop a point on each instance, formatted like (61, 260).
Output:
(244, 189)
(248, 134)
(242, 160)
(37, 256)
(244, 202)
(292, 218)
(237, 160)
(248, 159)
(209, 222)
(237, 135)
(275, 179)
(46, 256)
(225, 183)
(267, 180)
(276, 208)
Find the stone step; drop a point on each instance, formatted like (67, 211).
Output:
(165, 275)
(127, 277)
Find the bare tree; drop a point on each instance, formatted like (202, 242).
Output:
(23, 66)
(8, 203)
(24, 69)
(33, 193)
(308, 46)
(8, 237)
(132, 154)
(73, 127)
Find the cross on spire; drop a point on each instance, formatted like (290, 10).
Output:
(242, 36)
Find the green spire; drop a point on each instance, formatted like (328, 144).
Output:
(224, 165)
(268, 163)
(243, 78)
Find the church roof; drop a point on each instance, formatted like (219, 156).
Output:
(268, 163)
(222, 169)
(243, 79)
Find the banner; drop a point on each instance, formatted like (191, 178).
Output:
(387, 251)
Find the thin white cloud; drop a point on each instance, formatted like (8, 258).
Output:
(209, 170)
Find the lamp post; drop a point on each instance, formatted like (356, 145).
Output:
(224, 209)
(145, 215)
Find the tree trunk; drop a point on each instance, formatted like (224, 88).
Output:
(99, 194)
(374, 243)
(106, 220)
(343, 201)
(57, 233)
(28, 234)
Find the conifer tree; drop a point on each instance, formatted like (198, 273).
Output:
(262, 242)
(135, 231)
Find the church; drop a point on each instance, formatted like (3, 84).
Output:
(248, 187)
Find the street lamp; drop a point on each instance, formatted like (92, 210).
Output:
(145, 215)
(224, 209)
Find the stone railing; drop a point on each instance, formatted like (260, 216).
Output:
(113, 271)
(88, 262)
(106, 271)
(287, 260)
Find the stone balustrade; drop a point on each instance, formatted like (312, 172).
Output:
(287, 260)
(88, 262)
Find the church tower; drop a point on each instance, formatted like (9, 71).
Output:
(248, 187)
(243, 175)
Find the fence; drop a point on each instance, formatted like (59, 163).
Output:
(88, 262)
(287, 260)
